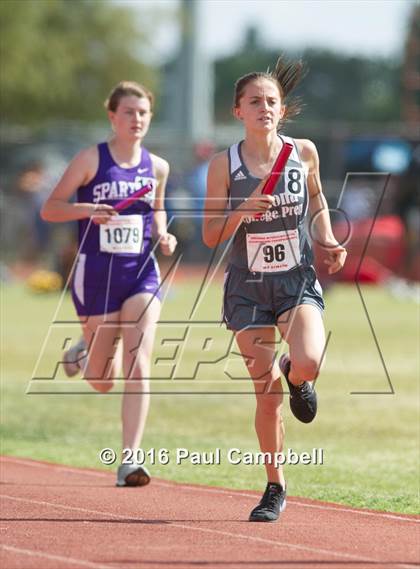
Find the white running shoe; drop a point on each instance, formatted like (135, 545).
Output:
(132, 475)
(73, 357)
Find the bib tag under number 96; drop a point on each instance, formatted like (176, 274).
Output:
(122, 234)
(273, 252)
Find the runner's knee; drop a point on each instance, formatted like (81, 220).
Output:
(103, 385)
(100, 381)
(262, 371)
(136, 368)
(306, 368)
(100, 375)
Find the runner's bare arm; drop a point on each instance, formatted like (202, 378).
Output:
(219, 223)
(167, 241)
(320, 222)
(79, 172)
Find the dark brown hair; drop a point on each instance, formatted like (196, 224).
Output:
(286, 75)
(126, 89)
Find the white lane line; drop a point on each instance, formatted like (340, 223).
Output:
(275, 543)
(51, 557)
(55, 467)
(293, 501)
(293, 546)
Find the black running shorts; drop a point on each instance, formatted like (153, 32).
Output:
(258, 299)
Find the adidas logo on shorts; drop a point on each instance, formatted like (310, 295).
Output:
(239, 176)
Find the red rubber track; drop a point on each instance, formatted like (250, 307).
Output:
(57, 517)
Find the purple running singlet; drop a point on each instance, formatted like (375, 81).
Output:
(116, 260)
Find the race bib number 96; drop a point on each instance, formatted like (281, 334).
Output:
(273, 252)
(122, 234)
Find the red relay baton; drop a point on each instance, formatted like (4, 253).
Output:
(124, 204)
(276, 171)
(278, 168)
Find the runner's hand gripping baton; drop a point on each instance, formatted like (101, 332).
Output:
(276, 171)
(124, 204)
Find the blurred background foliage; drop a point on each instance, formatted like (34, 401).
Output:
(60, 58)
(337, 88)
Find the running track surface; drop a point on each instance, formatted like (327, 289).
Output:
(57, 517)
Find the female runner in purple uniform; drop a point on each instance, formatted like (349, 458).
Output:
(116, 281)
(270, 281)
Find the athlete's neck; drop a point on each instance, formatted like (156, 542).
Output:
(126, 153)
(262, 147)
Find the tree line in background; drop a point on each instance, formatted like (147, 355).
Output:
(337, 87)
(59, 59)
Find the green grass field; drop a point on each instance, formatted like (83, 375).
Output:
(370, 440)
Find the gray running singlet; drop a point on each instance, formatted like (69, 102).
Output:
(278, 241)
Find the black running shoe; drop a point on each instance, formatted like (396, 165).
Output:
(272, 504)
(303, 402)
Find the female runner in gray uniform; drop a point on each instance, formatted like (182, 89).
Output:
(270, 280)
(116, 283)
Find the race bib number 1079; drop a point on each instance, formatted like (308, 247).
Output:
(122, 234)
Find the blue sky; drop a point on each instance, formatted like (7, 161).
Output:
(367, 27)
